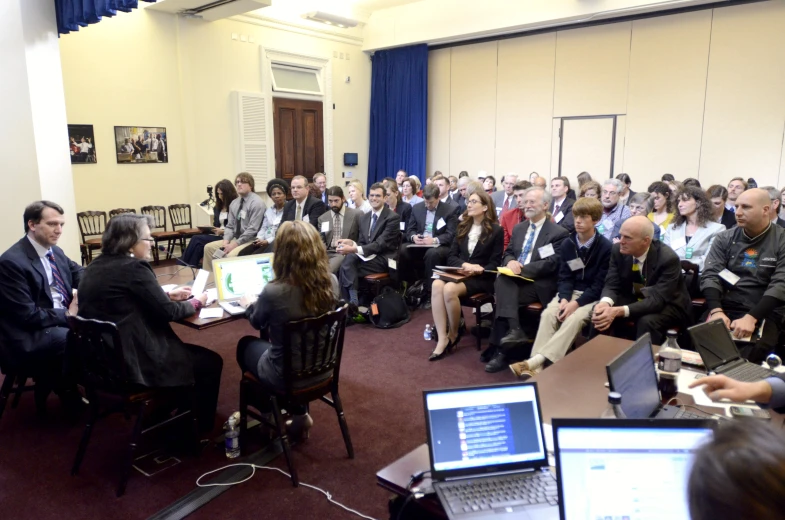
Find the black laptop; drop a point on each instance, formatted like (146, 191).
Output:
(632, 374)
(719, 353)
(626, 468)
(488, 455)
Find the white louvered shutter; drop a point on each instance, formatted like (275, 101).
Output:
(256, 137)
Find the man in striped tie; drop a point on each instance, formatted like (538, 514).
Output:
(37, 292)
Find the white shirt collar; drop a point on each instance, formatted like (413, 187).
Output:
(446, 198)
(41, 250)
(560, 201)
(538, 223)
(642, 258)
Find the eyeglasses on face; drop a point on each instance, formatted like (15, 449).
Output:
(473, 201)
(238, 181)
(150, 240)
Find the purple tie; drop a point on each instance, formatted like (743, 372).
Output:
(58, 279)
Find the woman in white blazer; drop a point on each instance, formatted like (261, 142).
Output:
(693, 228)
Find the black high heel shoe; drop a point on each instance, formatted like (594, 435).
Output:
(447, 350)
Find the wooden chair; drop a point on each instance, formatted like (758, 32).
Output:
(161, 235)
(312, 350)
(181, 216)
(476, 301)
(120, 211)
(95, 352)
(91, 224)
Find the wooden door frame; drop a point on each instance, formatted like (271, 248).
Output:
(296, 97)
(613, 137)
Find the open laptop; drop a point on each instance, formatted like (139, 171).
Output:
(488, 455)
(632, 374)
(626, 468)
(241, 275)
(720, 354)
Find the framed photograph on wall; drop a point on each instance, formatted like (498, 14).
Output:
(81, 144)
(141, 144)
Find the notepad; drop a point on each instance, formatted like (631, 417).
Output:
(211, 313)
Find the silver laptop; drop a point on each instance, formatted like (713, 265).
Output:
(488, 455)
(240, 275)
(626, 469)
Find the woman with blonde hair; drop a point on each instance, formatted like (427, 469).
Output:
(303, 287)
(477, 248)
(411, 186)
(357, 198)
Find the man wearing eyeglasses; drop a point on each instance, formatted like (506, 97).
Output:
(613, 211)
(245, 218)
(37, 293)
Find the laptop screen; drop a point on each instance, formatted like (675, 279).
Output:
(632, 374)
(615, 469)
(244, 274)
(479, 429)
(714, 344)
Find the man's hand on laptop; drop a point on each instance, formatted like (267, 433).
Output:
(346, 246)
(718, 314)
(180, 294)
(723, 387)
(743, 327)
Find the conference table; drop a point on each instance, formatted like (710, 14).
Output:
(572, 388)
(181, 275)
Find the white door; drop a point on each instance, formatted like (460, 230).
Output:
(587, 144)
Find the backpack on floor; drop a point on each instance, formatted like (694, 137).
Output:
(388, 310)
(414, 294)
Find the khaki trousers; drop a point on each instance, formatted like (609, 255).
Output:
(553, 337)
(209, 249)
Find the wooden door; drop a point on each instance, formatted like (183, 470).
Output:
(299, 142)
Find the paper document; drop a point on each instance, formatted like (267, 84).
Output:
(169, 287)
(447, 268)
(423, 245)
(699, 396)
(212, 295)
(506, 271)
(201, 280)
(211, 313)
(366, 258)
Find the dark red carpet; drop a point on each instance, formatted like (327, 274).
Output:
(382, 377)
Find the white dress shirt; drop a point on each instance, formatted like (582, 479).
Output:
(57, 298)
(641, 263)
(537, 230)
(378, 216)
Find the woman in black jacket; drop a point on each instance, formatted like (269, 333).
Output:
(396, 203)
(224, 195)
(119, 286)
(477, 248)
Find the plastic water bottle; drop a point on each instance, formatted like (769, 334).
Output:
(426, 335)
(613, 411)
(669, 365)
(232, 437)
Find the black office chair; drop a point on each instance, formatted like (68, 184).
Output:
(15, 382)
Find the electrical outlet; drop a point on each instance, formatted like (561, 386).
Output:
(234, 36)
(347, 56)
(341, 55)
(335, 54)
(251, 39)
(243, 38)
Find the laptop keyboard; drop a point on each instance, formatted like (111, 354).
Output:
(684, 414)
(488, 493)
(749, 373)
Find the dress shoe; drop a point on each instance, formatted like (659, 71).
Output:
(449, 348)
(497, 364)
(513, 338)
(488, 353)
(298, 426)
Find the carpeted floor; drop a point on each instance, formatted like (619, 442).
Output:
(382, 377)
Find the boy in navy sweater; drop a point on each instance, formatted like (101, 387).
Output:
(583, 265)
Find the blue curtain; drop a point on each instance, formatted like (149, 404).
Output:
(399, 112)
(73, 14)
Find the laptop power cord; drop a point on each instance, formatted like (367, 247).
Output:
(254, 467)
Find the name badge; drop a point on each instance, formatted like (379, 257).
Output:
(729, 277)
(440, 224)
(392, 264)
(558, 217)
(306, 219)
(499, 211)
(678, 243)
(688, 253)
(242, 215)
(403, 226)
(546, 251)
(325, 227)
(601, 229)
(576, 264)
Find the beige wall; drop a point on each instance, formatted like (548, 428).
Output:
(150, 68)
(696, 95)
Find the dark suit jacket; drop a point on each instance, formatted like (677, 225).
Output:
(125, 291)
(386, 236)
(780, 222)
(487, 252)
(404, 211)
(544, 271)
(571, 194)
(460, 201)
(664, 283)
(629, 198)
(313, 207)
(445, 234)
(27, 312)
(568, 220)
(728, 218)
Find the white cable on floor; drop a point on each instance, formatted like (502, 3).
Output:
(254, 467)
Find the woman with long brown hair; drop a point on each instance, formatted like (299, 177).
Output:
(303, 287)
(477, 248)
(224, 195)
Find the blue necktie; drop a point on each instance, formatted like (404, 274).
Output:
(529, 243)
(373, 224)
(58, 280)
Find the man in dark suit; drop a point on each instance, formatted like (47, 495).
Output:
(303, 206)
(444, 191)
(340, 222)
(561, 205)
(774, 209)
(429, 235)
(504, 200)
(644, 284)
(37, 293)
(533, 253)
(380, 232)
(460, 197)
(320, 180)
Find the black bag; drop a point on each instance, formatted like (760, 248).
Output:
(388, 310)
(414, 294)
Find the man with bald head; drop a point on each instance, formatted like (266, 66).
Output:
(743, 278)
(540, 182)
(644, 285)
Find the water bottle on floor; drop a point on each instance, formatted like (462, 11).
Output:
(232, 436)
(428, 333)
